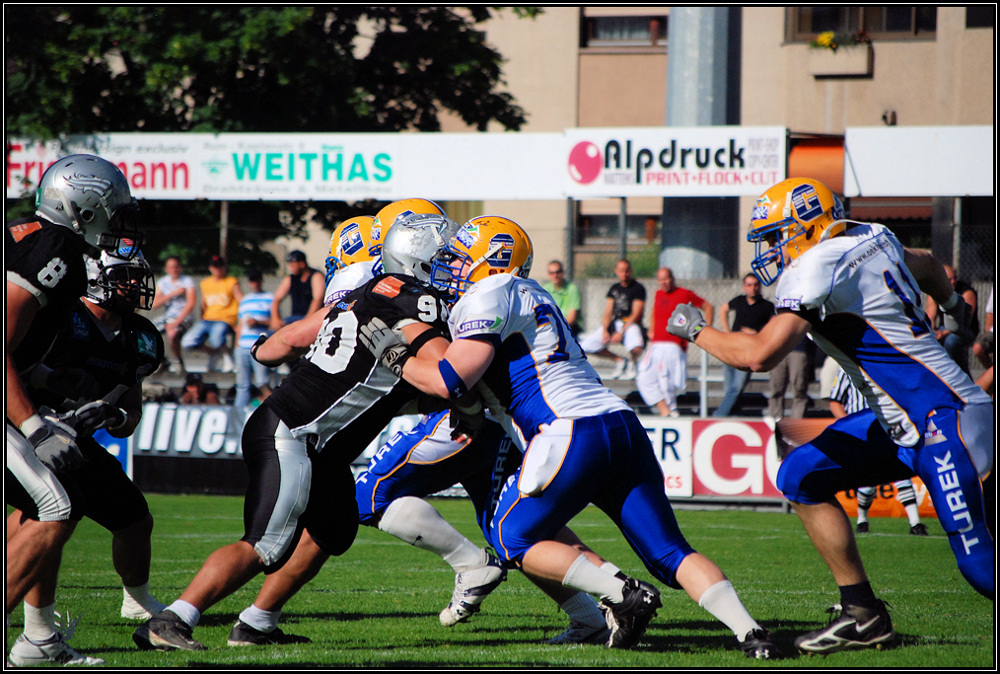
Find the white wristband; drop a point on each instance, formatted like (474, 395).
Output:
(950, 303)
(32, 424)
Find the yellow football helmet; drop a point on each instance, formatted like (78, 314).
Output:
(485, 245)
(789, 219)
(354, 240)
(401, 209)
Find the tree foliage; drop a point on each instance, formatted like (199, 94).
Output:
(80, 69)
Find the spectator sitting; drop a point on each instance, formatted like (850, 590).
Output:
(621, 323)
(175, 292)
(197, 392)
(220, 300)
(565, 293)
(305, 285)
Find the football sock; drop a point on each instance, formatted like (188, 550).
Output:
(609, 568)
(586, 577)
(39, 623)
(186, 612)
(259, 619)
(908, 497)
(141, 596)
(721, 601)
(582, 608)
(859, 594)
(416, 522)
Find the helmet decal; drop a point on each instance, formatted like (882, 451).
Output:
(503, 244)
(806, 202)
(350, 239)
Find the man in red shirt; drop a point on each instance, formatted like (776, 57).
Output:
(663, 368)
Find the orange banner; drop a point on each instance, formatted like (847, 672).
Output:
(887, 505)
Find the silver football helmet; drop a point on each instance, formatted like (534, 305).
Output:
(119, 283)
(411, 243)
(91, 196)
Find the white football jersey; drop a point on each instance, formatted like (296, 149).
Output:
(539, 372)
(865, 311)
(350, 278)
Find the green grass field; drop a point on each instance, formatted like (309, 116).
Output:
(377, 606)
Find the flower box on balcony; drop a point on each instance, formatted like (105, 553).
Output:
(848, 61)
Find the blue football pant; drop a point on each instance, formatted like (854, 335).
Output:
(609, 462)
(856, 451)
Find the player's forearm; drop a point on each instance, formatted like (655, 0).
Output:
(19, 406)
(735, 349)
(425, 376)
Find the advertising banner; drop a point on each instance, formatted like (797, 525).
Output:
(712, 161)
(579, 163)
(726, 458)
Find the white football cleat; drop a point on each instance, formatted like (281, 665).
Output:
(54, 651)
(471, 588)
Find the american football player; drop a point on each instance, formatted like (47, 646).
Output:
(855, 289)
(83, 205)
(584, 444)
(287, 446)
(105, 352)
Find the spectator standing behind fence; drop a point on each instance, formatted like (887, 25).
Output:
(621, 323)
(565, 293)
(957, 345)
(254, 317)
(751, 312)
(220, 301)
(795, 370)
(306, 287)
(663, 368)
(176, 294)
(846, 399)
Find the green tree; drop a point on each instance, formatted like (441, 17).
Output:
(80, 69)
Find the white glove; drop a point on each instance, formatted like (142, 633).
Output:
(686, 322)
(54, 442)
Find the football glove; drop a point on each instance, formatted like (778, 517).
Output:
(98, 414)
(467, 416)
(54, 442)
(686, 322)
(395, 358)
(957, 318)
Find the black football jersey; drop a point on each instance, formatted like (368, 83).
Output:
(126, 357)
(47, 260)
(340, 377)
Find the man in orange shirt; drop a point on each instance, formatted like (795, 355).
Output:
(220, 301)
